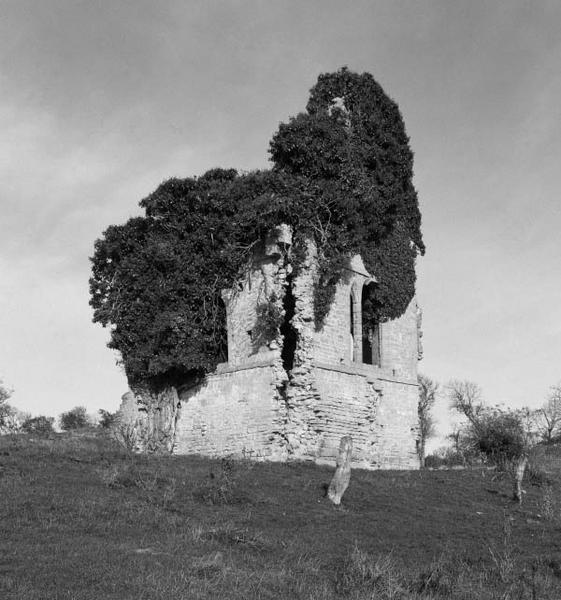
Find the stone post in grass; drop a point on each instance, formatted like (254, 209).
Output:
(342, 476)
(518, 474)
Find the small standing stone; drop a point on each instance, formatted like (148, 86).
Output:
(342, 476)
(519, 468)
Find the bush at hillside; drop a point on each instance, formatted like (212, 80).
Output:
(106, 418)
(76, 418)
(500, 436)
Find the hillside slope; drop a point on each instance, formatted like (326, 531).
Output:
(81, 519)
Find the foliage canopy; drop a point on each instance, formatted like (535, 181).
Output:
(341, 177)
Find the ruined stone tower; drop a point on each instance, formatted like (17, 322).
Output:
(294, 394)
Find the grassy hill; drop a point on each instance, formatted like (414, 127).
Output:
(81, 518)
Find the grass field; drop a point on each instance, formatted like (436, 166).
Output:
(81, 518)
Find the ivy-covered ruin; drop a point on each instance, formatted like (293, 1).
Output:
(338, 208)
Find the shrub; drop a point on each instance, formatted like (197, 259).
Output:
(107, 419)
(125, 434)
(77, 418)
(40, 425)
(500, 436)
(536, 475)
(435, 461)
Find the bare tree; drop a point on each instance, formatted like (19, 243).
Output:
(466, 398)
(548, 417)
(428, 390)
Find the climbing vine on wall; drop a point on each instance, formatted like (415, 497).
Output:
(342, 177)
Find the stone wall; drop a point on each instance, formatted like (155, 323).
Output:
(397, 420)
(332, 344)
(400, 347)
(237, 412)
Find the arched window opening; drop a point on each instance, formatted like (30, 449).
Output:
(371, 352)
(221, 330)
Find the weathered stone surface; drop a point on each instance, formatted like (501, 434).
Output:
(262, 406)
(148, 420)
(342, 476)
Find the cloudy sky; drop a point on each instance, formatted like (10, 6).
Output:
(102, 100)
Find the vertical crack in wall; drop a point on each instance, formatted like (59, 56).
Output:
(288, 332)
(286, 340)
(300, 394)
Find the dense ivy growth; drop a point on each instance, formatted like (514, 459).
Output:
(342, 177)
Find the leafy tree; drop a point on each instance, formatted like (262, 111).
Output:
(40, 425)
(342, 177)
(76, 418)
(428, 390)
(351, 143)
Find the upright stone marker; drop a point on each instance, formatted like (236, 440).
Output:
(342, 476)
(519, 468)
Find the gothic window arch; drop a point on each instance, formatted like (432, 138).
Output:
(370, 328)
